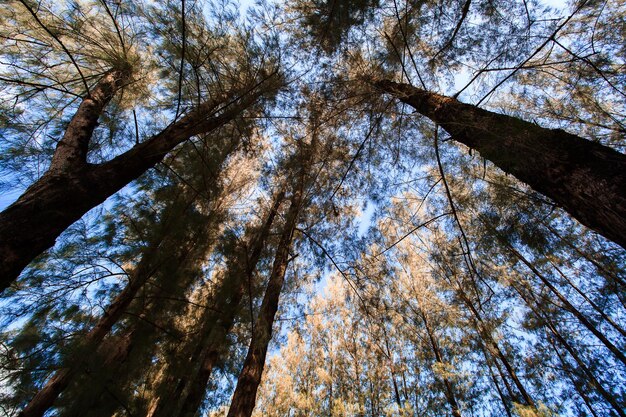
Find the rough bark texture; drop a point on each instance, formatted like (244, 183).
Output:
(185, 396)
(71, 186)
(585, 178)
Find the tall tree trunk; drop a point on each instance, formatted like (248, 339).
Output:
(450, 396)
(585, 178)
(392, 374)
(567, 305)
(166, 248)
(536, 307)
(492, 346)
(72, 186)
(186, 394)
(244, 398)
(46, 397)
(505, 404)
(575, 383)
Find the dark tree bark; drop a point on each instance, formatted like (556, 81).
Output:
(72, 186)
(107, 368)
(244, 398)
(450, 396)
(154, 256)
(585, 178)
(186, 394)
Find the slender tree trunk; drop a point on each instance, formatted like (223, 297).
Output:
(115, 366)
(396, 391)
(585, 178)
(186, 395)
(493, 347)
(617, 281)
(596, 307)
(575, 383)
(244, 398)
(46, 397)
(535, 306)
(108, 358)
(454, 405)
(72, 186)
(567, 306)
(505, 403)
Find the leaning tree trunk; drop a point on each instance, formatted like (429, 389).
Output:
(449, 386)
(165, 249)
(72, 186)
(154, 312)
(45, 398)
(535, 305)
(154, 257)
(486, 338)
(585, 178)
(186, 395)
(244, 398)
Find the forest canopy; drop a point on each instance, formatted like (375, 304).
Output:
(312, 208)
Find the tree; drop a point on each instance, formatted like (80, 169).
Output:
(72, 185)
(184, 395)
(325, 251)
(179, 241)
(585, 178)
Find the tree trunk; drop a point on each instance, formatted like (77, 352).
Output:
(536, 307)
(567, 306)
(585, 178)
(165, 249)
(72, 186)
(46, 397)
(493, 348)
(244, 398)
(450, 396)
(186, 396)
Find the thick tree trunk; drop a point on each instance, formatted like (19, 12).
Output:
(244, 398)
(71, 186)
(585, 178)
(186, 394)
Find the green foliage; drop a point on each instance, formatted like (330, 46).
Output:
(465, 292)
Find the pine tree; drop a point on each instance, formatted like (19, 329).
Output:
(72, 185)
